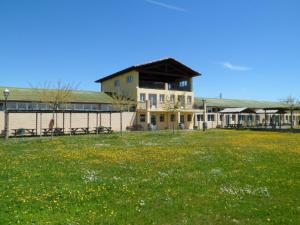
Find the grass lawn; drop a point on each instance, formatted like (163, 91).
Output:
(216, 177)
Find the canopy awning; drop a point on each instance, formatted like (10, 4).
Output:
(237, 110)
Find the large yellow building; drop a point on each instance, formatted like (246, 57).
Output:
(163, 91)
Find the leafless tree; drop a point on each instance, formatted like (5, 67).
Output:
(291, 103)
(56, 97)
(122, 102)
(173, 105)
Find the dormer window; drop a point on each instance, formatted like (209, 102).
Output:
(129, 79)
(117, 83)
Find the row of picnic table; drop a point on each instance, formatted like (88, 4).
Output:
(61, 131)
(236, 126)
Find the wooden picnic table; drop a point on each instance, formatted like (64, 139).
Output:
(24, 131)
(79, 130)
(102, 129)
(234, 126)
(56, 131)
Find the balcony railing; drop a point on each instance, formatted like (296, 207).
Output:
(152, 85)
(162, 106)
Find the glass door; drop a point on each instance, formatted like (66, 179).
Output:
(153, 100)
(153, 120)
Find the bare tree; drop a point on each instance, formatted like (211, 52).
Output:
(122, 102)
(291, 103)
(173, 105)
(56, 97)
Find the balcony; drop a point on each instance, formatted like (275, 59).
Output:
(152, 85)
(162, 106)
(172, 86)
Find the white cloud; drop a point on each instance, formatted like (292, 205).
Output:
(167, 6)
(230, 66)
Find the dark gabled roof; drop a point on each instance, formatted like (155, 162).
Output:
(190, 71)
(32, 95)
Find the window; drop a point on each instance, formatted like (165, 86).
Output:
(129, 79)
(43, 106)
(22, 106)
(87, 107)
(189, 100)
(233, 117)
(142, 97)
(200, 117)
(183, 83)
(78, 106)
(181, 118)
(211, 117)
(117, 83)
(161, 98)
(142, 118)
(172, 117)
(106, 107)
(181, 99)
(209, 110)
(172, 98)
(69, 106)
(1, 107)
(241, 118)
(95, 107)
(153, 100)
(153, 120)
(161, 118)
(189, 118)
(11, 105)
(32, 106)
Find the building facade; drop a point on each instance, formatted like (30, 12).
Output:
(163, 91)
(164, 98)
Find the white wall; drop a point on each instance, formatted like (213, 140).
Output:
(33, 120)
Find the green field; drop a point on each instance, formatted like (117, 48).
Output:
(216, 177)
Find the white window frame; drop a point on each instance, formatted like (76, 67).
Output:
(144, 97)
(161, 98)
(129, 79)
(189, 99)
(117, 83)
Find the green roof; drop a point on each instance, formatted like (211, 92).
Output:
(236, 103)
(33, 95)
(77, 96)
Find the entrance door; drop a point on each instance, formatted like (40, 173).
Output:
(181, 118)
(153, 120)
(227, 119)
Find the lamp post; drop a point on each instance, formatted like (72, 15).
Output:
(6, 93)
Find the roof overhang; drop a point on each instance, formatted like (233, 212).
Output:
(237, 110)
(183, 69)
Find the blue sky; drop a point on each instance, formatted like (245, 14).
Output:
(244, 48)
